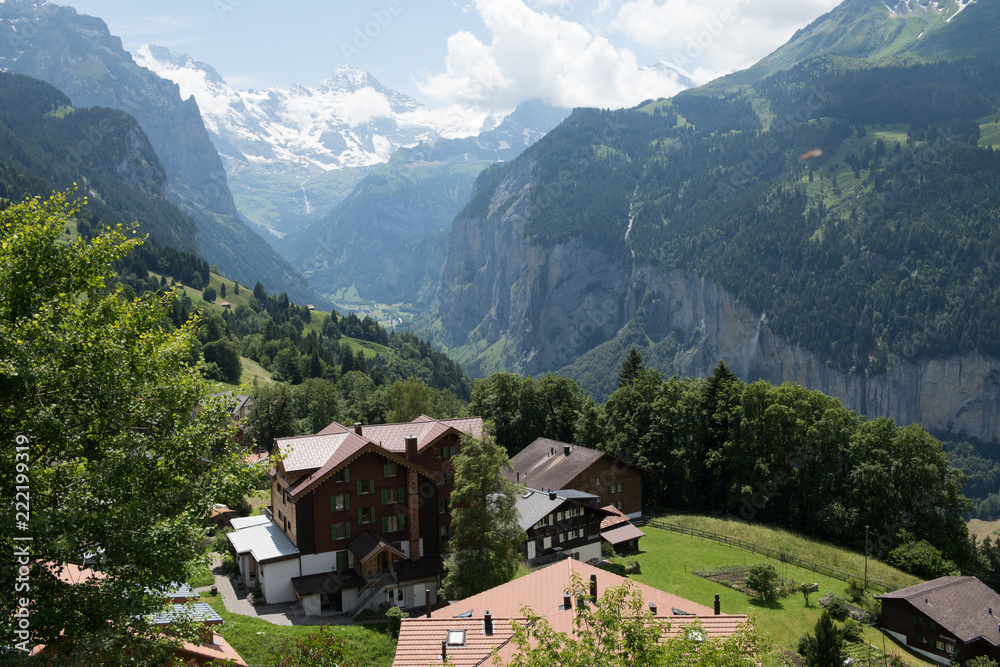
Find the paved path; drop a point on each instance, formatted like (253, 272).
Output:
(235, 601)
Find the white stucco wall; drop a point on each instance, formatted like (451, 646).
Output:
(318, 563)
(276, 580)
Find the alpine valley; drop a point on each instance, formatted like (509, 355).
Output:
(828, 216)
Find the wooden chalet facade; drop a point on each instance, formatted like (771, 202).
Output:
(549, 464)
(561, 524)
(365, 509)
(945, 616)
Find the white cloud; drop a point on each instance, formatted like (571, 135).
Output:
(534, 54)
(364, 105)
(715, 35)
(213, 100)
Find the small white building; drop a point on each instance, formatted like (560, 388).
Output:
(266, 556)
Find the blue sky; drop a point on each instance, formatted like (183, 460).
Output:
(492, 53)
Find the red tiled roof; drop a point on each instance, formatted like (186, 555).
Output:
(426, 429)
(420, 638)
(615, 517)
(353, 447)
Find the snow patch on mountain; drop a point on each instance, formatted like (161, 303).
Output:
(347, 120)
(927, 8)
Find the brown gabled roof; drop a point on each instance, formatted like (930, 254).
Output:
(963, 606)
(615, 517)
(368, 544)
(544, 464)
(623, 532)
(351, 449)
(420, 638)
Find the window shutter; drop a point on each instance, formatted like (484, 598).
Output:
(385, 524)
(347, 501)
(400, 494)
(333, 531)
(385, 496)
(347, 529)
(402, 522)
(359, 517)
(333, 503)
(347, 474)
(371, 486)
(360, 491)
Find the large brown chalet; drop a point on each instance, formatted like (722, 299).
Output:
(360, 516)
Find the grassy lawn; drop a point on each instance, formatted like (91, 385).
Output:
(260, 642)
(668, 560)
(981, 528)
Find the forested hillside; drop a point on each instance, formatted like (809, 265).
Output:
(46, 144)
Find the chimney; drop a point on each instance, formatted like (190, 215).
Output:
(357, 427)
(488, 624)
(718, 605)
(444, 651)
(411, 448)
(593, 588)
(552, 495)
(552, 451)
(567, 602)
(427, 601)
(652, 608)
(566, 450)
(519, 478)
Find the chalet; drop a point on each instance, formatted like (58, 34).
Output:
(560, 524)
(618, 531)
(945, 616)
(550, 464)
(468, 631)
(359, 516)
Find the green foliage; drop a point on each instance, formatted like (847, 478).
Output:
(486, 543)
(271, 416)
(982, 661)
(84, 373)
(763, 579)
(243, 507)
(837, 607)
(320, 649)
(920, 558)
(823, 648)
(855, 590)
(630, 368)
(208, 294)
(620, 631)
(853, 630)
(395, 615)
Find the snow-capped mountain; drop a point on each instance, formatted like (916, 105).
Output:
(947, 9)
(347, 120)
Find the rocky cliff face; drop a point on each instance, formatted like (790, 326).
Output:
(513, 306)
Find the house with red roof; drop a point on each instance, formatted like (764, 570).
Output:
(359, 516)
(467, 632)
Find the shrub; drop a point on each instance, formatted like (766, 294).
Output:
(763, 579)
(395, 616)
(853, 631)
(922, 559)
(208, 294)
(837, 607)
(855, 590)
(632, 566)
(243, 507)
(221, 545)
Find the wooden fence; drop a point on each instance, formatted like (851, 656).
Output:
(783, 556)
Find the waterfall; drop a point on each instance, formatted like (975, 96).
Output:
(752, 349)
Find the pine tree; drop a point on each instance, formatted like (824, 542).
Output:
(222, 290)
(630, 368)
(823, 649)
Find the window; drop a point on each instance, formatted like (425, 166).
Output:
(547, 542)
(456, 638)
(438, 453)
(340, 531)
(576, 511)
(399, 595)
(598, 481)
(560, 516)
(445, 533)
(619, 488)
(392, 496)
(342, 561)
(939, 645)
(366, 515)
(342, 476)
(389, 470)
(620, 505)
(366, 486)
(562, 537)
(443, 505)
(392, 524)
(545, 521)
(340, 503)
(447, 478)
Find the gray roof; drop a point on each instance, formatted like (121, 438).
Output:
(622, 532)
(963, 606)
(244, 522)
(326, 582)
(264, 543)
(197, 612)
(533, 505)
(175, 591)
(544, 464)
